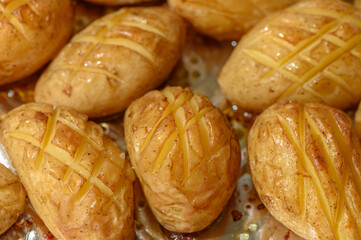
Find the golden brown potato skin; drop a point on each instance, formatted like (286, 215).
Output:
(32, 32)
(310, 52)
(185, 154)
(118, 2)
(12, 198)
(357, 4)
(77, 180)
(113, 61)
(305, 163)
(357, 121)
(226, 19)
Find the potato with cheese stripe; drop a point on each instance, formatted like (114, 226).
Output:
(31, 33)
(78, 180)
(226, 19)
(12, 198)
(309, 52)
(305, 162)
(185, 154)
(113, 61)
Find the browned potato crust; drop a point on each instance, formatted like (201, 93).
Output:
(186, 156)
(305, 163)
(358, 4)
(77, 180)
(12, 198)
(31, 33)
(113, 61)
(310, 52)
(226, 19)
(118, 2)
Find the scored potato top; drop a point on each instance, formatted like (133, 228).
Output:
(306, 166)
(12, 198)
(113, 61)
(32, 31)
(77, 180)
(185, 154)
(226, 19)
(308, 52)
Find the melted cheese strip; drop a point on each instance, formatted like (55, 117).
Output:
(87, 186)
(179, 118)
(12, 6)
(172, 103)
(167, 146)
(144, 27)
(206, 158)
(341, 183)
(323, 64)
(301, 180)
(198, 117)
(326, 152)
(78, 155)
(80, 132)
(308, 165)
(348, 159)
(47, 138)
(301, 46)
(269, 62)
(340, 82)
(123, 42)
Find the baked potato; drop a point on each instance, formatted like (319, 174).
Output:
(358, 4)
(226, 19)
(309, 52)
(118, 2)
(31, 33)
(305, 162)
(77, 180)
(12, 199)
(185, 154)
(113, 61)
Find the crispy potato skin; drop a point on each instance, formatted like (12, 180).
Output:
(77, 180)
(305, 164)
(113, 61)
(12, 198)
(187, 159)
(309, 52)
(225, 19)
(32, 32)
(118, 2)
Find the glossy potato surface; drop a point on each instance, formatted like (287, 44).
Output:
(78, 181)
(226, 19)
(12, 198)
(310, 52)
(305, 163)
(118, 2)
(185, 154)
(113, 61)
(31, 33)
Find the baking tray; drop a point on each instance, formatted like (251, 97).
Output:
(244, 217)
